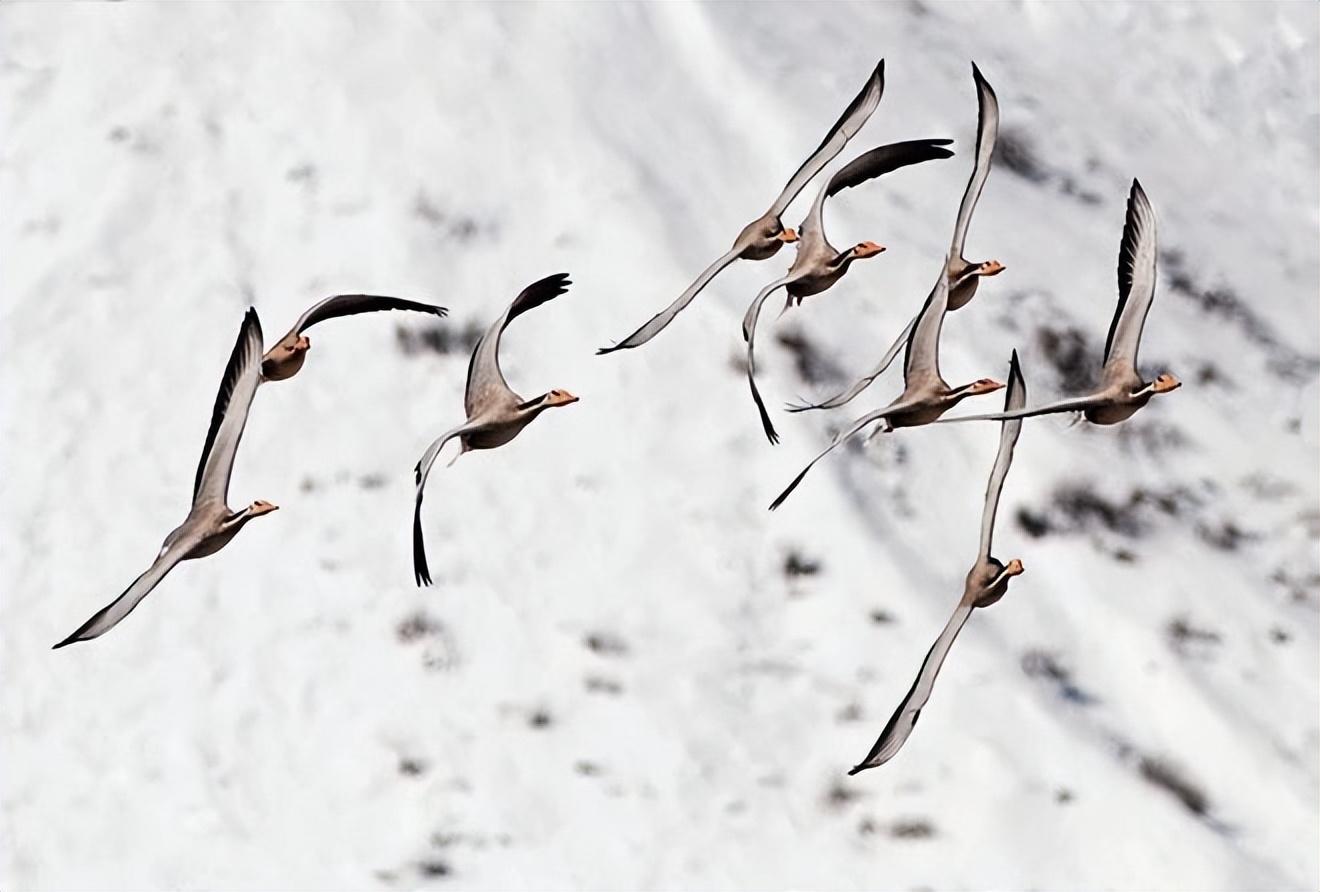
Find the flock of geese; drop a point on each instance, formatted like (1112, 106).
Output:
(495, 413)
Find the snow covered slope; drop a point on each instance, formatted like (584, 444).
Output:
(629, 673)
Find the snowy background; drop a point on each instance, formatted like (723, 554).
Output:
(629, 673)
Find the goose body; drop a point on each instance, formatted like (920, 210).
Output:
(762, 238)
(926, 395)
(211, 523)
(985, 584)
(495, 413)
(1122, 391)
(819, 264)
(964, 275)
(286, 358)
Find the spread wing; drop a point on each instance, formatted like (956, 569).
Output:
(749, 335)
(869, 165)
(857, 426)
(843, 130)
(352, 304)
(229, 416)
(659, 321)
(905, 717)
(421, 572)
(109, 616)
(1014, 398)
(846, 396)
(485, 381)
(1072, 404)
(1136, 280)
(922, 358)
(987, 131)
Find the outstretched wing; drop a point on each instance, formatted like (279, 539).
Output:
(659, 321)
(421, 572)
(1072, 404)
(109, 616)
(353, 304)
(843, 130)
(1136, 281)
(846, 396)
(867, 166)
(485, 381)
(229, 416)
(857, 426)
(749, 335)
(904, 719)
(987, 131)
(1014, 398)
(922, 359)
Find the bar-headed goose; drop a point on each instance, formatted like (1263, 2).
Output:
(819, 264)
(210, 523)
(926, 395)
(763, 237)
(1122, 391)
(963, 273)
(287, 356)
(986, 583)
(495, 414)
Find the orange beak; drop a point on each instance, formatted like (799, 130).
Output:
(992, 268)
(1015, 568)
(868, 249)
(788, 236)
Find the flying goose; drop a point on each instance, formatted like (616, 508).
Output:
(287, 356)
(1122, 391)
(819, 264)
(926, 396)
(763, 237)
(963, 273)
(210, 523)
(986, 583)
(495, 414)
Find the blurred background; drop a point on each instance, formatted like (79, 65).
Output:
(629, 674)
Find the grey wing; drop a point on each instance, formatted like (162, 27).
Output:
(749, 335)
(904, 719)
(883, 159)
(229, 415)
(987, 131)
(421, 572)
(846, 396)
(856, 427)
(659, 321)
(1014, 398)
(1072, 404)
(109, 616)
(485, 381)
(852, 120)
(1136, 280)
(352, 304)
(868, 166)
(922, 358)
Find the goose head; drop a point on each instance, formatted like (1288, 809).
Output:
(285, 359)
(559, 397)
(548, 400)
(296, 348)
(859, 251)
(978, 387)
(259, 507)
(1162, 384)
(862, 250)
(997, 585)
(1165, 383)
(762, 238)
(236, 520)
